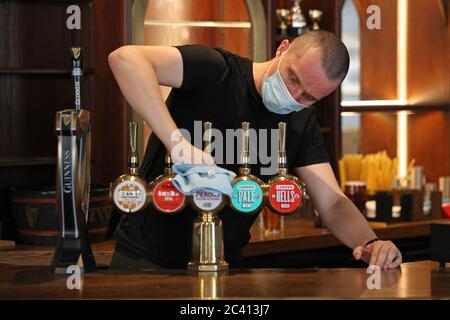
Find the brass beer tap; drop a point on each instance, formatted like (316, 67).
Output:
(285, 193)
(130, 193)
(207, 234)
(248, 194)
(165, 197)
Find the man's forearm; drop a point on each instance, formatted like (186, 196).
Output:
(347, 224)
(139, 84)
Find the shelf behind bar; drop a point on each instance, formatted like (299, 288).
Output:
(26, 162)
(395, 108)
(21, 71)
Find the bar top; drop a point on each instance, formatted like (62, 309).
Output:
(300, 234)
(24, 274)
(418, 280)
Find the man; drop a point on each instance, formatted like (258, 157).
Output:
(217, 86)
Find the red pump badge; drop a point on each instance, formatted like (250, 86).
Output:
(285, 196)
(167, 198)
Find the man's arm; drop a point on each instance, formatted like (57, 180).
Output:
(139, 70)
(343, 219)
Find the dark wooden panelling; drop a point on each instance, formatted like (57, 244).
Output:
(197, 10)
(378, 132)
(31, 98)
(270, 7)
(243, 47)
(110, 113)
(379, 52)
(427, 83)
(28, 107)
(34, 35)
(428, 141)
(211, 37)
(178, 35)
(448, 113)
(236, 11)
(35, 82)
(428, 63)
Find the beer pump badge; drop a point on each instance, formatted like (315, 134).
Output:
(207, 200)
(285, 196)
(167, 198)
(247, 196)
(130, 196)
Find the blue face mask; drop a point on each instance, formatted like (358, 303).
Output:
(276, 96)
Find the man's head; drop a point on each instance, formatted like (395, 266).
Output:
(313, 67)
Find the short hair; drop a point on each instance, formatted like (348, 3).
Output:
(335, 57)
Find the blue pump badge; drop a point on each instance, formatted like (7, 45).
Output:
(247, 196)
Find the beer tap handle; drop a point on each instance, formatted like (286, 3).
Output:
(282, 145)
(168, 159)
(133, 135)
(76, 54)
(207, 136)
(77, 57)
(245, 144)
(133, 160)
(168, 162)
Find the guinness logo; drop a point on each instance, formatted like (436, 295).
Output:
(32, 216)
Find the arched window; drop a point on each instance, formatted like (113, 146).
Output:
(351, 87)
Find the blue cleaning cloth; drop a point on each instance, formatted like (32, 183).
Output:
(193, 177)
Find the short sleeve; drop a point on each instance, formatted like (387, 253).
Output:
(202, 67)
(312, 149)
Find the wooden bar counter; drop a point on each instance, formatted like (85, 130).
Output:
(418, 280)
(300, 235)
(24, 273)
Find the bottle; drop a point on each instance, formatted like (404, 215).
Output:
(203, 200)
(165, 197)
(130, 193)
(285, 193)
(248, 195)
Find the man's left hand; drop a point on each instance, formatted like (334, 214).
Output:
(383, 254)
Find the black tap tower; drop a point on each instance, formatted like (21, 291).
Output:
(73, 181)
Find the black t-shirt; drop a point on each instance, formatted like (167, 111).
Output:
(218, 86)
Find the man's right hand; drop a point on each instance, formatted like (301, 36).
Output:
(184, 152)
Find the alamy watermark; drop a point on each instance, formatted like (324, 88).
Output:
(374, 20)
(374, 281)
(73, 21)
(226, 147)
(74, 280)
